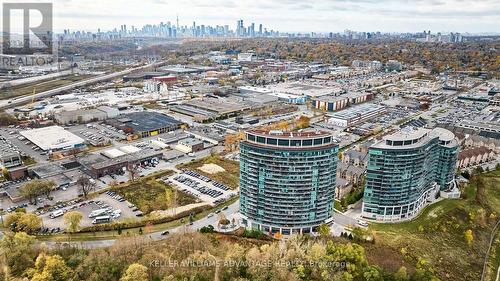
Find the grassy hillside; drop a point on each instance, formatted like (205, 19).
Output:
(438, 234)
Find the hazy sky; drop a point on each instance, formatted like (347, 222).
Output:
(285, 15)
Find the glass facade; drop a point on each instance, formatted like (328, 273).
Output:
(403, 174)
(287, 182)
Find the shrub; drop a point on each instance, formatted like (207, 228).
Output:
(253, 233)
(207, 229)
(141, 223)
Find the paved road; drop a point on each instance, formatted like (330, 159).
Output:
(492, 240)
(340, 220)
(26, 99)
(344, 220)
(155, 236)
(27, 80)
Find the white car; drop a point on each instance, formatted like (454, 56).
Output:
(363, 223)
(210, 215)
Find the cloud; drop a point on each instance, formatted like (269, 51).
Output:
(285, 15)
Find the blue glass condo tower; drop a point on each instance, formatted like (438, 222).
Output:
(287, 180)
(405, 172)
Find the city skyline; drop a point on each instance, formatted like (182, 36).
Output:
(321, 16)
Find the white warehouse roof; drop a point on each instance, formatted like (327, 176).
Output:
(52, 138)
(112, 153)
(129, 149)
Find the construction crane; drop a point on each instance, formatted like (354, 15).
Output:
(31, 104)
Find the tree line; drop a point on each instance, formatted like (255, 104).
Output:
(197, 256)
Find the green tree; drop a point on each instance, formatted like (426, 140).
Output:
(72, 221)
(171, 199)
(324, 230)
(21, 221)
(17, 251)
(469, 237)
(47, 187)
(29, 223)
(12, 219)
(424, 271)
(85, 185)
(34, 188)
(479, 170)
(372, 273)
(135, 272)
(50, 268)
(401, 274)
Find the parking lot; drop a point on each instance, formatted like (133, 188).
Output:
(202, 187)
(96, 134)
(24, 146)
(109, 201)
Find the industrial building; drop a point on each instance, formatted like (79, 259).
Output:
(303, 89)
(142, 76)
(144, 123)
(338, 102)
(207, 134)
(159, 84)
(213, 108)
(254, 90)
(9, 157)
(187, 69)
(246, 57)
(97, 165)
(287, 180)
(330, 103)
(53, 138)
(86, 115)
(406, 171)
(189, 145)
(355, 115)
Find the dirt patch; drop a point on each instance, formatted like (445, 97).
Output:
(174, 211)
(211, 168)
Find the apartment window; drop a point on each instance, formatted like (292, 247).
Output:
(272, 141)
(283, 142)
(306, 142)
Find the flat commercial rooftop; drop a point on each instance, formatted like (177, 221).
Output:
(144, 121)
(219, 106)
(302, 89)
(52, 138)
(113, 153)
(129, 149)
(356, 111)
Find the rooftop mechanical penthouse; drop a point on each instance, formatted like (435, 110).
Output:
(287, 180)
(406, 171)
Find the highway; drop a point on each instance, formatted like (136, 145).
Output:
(26, 99)
(18, 82)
